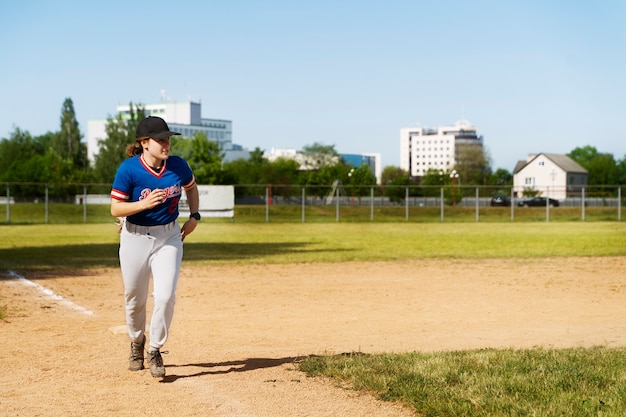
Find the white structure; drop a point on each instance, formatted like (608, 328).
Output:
(550, 175)
(215, 201)
(372, 160)
(423, 149)
(183, 117)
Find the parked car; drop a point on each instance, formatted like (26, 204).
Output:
(537, 202)
(500, 200)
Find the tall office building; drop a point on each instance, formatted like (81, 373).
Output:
(182, 117)
(422, 149)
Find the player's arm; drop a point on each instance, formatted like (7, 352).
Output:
(123, 208)
(193, 198)
(193, 201)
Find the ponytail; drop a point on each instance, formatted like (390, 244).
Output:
(135, 148)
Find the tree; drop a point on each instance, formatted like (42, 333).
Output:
(602, 168)
(282, 174)
(205, 158)
(361, 180)
(394, 181)
(120, 133)
(434, 179)
(256, 156)
(472, 164)
(67, 142)
(501, 177)
(317, 156)
(15, 150)
(583, 155)
(620, 177)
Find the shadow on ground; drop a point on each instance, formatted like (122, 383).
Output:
(220, 368)
(85, 257)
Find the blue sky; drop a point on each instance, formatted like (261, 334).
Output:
(532, 76)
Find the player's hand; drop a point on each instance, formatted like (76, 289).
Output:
(188, 227)
(156, 197)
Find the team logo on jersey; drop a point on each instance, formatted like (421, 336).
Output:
(172, 191)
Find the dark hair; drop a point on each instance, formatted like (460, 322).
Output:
(135, 148)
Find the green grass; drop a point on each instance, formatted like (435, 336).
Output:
(545, 382)
(35, 213)
(488, 382)
(83, 246)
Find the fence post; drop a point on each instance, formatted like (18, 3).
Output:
(477, 206)
(267, 206)
(512, 204)
(583, 203)
(372, 204)
(303, 203)
(46, 205)
(441, 203)
(85, 204)
(8, 203)
(619, 203)
(337, 206)
(406, 204)
(547, 204)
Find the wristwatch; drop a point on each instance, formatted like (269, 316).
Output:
(195, 215)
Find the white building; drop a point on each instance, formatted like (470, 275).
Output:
(372, 160)
(550, 175)
(185, 118)
(423, 149)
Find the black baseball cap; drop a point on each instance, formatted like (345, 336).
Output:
(154, 127)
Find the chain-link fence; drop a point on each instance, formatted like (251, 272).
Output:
(75, 203)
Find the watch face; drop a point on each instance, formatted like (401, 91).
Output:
(195, 216)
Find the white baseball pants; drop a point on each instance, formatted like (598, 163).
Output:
(156, 250)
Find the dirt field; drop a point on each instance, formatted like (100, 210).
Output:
(238, 331)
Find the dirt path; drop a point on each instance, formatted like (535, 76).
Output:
(238, 331)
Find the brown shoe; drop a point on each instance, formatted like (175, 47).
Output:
(157, 369)
(136, 355)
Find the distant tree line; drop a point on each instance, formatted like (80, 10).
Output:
(60, 159)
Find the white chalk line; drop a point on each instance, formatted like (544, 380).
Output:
(50, 294)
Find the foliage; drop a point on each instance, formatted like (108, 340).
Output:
(61, 157)
(120, 132)
(67, 141)
(203, 155)
(501, 177)
(473, 164)
(55, 158)
(317, 156)
(602, 167)
(394, 180)
(16, 151)
(530, 192)
(360, 180)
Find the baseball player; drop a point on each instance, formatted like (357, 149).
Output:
(145, 194)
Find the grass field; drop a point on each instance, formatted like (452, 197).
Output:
(77, 246)
(37, 213)
(572, 382)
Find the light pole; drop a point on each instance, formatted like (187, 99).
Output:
(455, 177)
(351, 184)
(553, 175)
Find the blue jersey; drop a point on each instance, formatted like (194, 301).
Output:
(135, 179)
